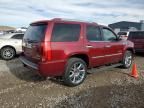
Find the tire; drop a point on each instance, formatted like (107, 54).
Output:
(7, 53)
(75, 73)
(127, 59)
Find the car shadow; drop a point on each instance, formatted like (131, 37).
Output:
(17, 69)
(16, 56)
(139, 54)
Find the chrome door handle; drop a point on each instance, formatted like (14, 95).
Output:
(107, 46)
(89, 46)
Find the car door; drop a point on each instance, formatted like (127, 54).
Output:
(95, 45)
(113, 47)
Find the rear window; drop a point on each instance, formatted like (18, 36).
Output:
(36, 32)
(65, 32)
(136, 35)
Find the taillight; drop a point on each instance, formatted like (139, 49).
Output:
(46, 51)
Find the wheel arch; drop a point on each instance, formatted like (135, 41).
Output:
(131, 49)
(82, 56)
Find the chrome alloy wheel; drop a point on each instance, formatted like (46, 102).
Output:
(128, 59)
(8, 53)
(77, 73)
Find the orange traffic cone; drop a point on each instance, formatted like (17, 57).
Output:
(134, 71)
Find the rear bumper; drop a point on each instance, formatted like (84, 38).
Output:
(28, 63)
(51, 68)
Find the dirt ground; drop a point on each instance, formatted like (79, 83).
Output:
(114, 88)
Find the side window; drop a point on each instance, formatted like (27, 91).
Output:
(93, 33)
(136, 35)
(141, 35)
(17, 36)
(108, 35)
(65, 32)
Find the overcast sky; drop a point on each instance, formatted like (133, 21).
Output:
(21, 12)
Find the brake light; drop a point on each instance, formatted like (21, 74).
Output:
(46, 51)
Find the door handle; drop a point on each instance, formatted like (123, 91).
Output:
(107, 46)
(89, 46)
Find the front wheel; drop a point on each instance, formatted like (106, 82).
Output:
(127, 60)
(75, 72)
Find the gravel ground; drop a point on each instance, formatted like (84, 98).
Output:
(114, 88)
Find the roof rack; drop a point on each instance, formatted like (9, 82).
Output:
(64, 19)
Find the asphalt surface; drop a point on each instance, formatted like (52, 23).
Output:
(114, 88)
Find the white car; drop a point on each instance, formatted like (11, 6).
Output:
(10, 45)
(123, 34)
(21, 29)
(1, 33)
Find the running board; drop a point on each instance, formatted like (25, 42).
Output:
(102, 68)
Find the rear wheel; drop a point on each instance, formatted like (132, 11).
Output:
(75, 72)
(127, 60)
(7, 53)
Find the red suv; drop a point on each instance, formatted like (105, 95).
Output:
(67, 48)
(137, 37)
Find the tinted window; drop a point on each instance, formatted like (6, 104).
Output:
(136, 35)
(18, 36)
(93, 33)
(65, 32)
(36, 32)
(108, 35)
(122, 33)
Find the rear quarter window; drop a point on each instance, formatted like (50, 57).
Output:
(65, 32)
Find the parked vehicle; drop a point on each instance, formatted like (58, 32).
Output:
(9, 31)
(1, 33)
(10, 45)
(21, 30)
(137, 37)
(123, 34)
(67, 48)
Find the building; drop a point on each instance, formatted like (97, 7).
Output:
(127, 26)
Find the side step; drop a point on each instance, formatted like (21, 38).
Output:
(102, 68)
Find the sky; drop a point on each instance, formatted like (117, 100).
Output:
(19, 13)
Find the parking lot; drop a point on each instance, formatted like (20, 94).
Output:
(23, 88)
